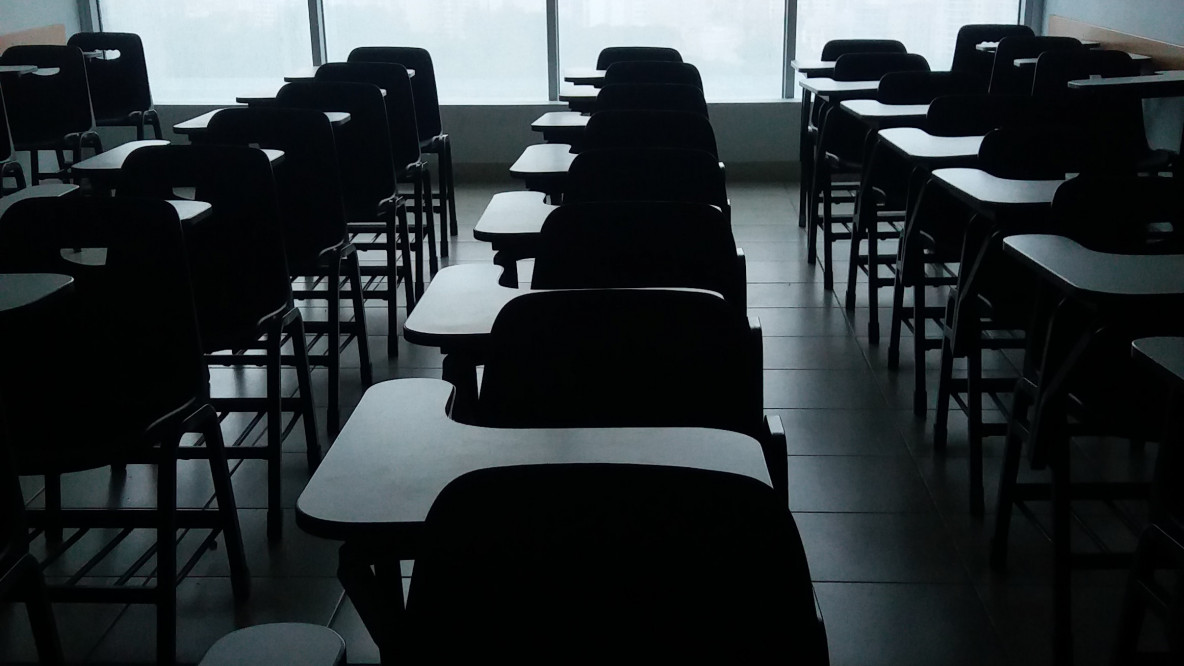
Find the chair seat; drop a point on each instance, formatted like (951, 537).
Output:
(288, 643)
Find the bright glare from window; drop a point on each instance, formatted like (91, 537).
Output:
(928, 27)
(482, 50)
(737, 46)
(212, 51)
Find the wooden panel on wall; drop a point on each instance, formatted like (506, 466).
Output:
(1163, 54)
(48, 34)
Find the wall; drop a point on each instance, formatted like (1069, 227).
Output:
(23, 14)
(1162, 20)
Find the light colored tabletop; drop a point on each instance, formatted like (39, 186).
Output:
(459, 306)
(1080, 272)
(1160, 84)
(578, 94)
(111, 161)
(870, 110)
(1164, 353)
(1031, 62)
(513, 217)
(839, 90)
(310, 74)
(199, 124)
(34, 191)
(17, 69)
(268, 96)
(400, 448)
(560, 120)
(813, 67)
(990, 47)
(583, 75)
(542, 160)
(20, 290)
(918, 143)
(979, 187)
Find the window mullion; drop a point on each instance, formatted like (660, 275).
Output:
(316, 28)
(553, 50)
(788, 82)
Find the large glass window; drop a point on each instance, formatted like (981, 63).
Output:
(737, 46)
(483, 50)
(211, 51)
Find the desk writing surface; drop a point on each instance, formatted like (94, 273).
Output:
(578, 93)
(19, 290)
(111, 161)
(199, 124)
(17, 69)
(190, 212)
(399, 449)
(583, 75)
(560, 120)
(513, 216)
(459, 307)
(1166, 354)
(813, 67)
(918, 143)
(310, 74)
(829, 88)
(543, 159)
(1160, 84)
(870, 109)
(979, 187)
(34, 191)
(1080, 272)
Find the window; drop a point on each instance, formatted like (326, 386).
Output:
(209, 52)
(737, 46)
(483, 50)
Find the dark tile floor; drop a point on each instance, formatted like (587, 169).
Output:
(899, 564)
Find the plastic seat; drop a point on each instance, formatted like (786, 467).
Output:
(372, 202)
(115, 381)
(9, 167)
(1006, 78)
(653, 71)
(432, 138)
(119, 91)
(978, 64)
(410, 166)
(50, 112)
(628, 357)
(612, 563)
(647, 174)
(650, 129)
(313, 212)
(613, 54)
(652, 97)
(242, 243)
(640, 244)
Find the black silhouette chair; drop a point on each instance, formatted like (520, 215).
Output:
(612, 561)
(628, 357)
(653, 71)
(1006, 78)
(626, 129)
(119, 91)
(313, 212)
(116, 380)
(613, 54)
(651, 97)
(410, 166)
(432, 138)
(50, 112)
(242, 243)
(611, 245)
(376, 214)
(978, 64)
(9, 167)
(647, 174)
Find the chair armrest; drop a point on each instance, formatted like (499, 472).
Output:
(741, 279)
(776, 449)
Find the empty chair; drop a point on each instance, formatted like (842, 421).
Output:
(978, 64)
(640, 244)
(647, 174)
(119, 91)
(242, 243)
(651, 96)
(50, 110)
(316, 243)
(614, 561)
(649, 129)
(117, 379)
(614, 54)
(432, 138)
(653, 71)
(1006, 78)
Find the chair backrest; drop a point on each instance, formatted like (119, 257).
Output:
(622, 357)
(603, 562)
(649, 129)
(1006, 78)
(922, 87)
(653, 71)
(310, 195)
(614, 54)
(1036, 152)
(1054, 69)
(640, 244)
(127, 354)
(118, 86)
(427, 96)
(646, 174)
(969, 60)
(1118, 117)
(5, 135)
(835, 48)
(400, 101)
(971, 115)
(241, 243)
(43, 109)
(363, 144)
(651, 96)
(1086, 209)
(873, 66)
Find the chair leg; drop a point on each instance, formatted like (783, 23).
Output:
(404, 241)
(355, 278)
(443, 159)
(166, 554)
(419, 244)
(812, 216)
(898, 287)
(35, 166)
(974, 421)
(447, 174)
(1012, 455)
(41, 620)
(919, 321)
(53, 508)
(240, 578)
(944, 382)
(430, 224)
(308, 412)
(140, 127)
(334, 340)
(275, 517)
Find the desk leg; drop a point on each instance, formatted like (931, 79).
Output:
(805, 157)
(460, 370)
(376, 590)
